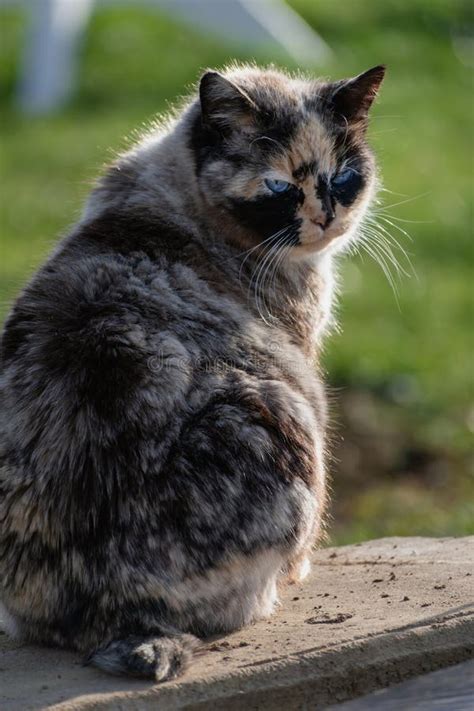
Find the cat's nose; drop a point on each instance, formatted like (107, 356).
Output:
(327, 205)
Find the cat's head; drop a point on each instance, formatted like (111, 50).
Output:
(286, 156)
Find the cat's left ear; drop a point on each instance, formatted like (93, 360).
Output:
(224, 105)
(352, 98)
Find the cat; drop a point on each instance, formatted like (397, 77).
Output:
(163, 427)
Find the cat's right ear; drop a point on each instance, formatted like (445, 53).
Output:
(351, 99)
(225, 106)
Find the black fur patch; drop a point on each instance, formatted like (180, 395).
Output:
(273, 133)
(304, 170)
(203, 141)
(327, 200)
(267, 214)
(347, 193)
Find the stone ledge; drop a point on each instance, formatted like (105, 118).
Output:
(369, 615)
(449, 688)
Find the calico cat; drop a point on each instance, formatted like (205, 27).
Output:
(163, 416)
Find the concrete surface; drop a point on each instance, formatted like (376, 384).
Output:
(450, 689)
(369, 615)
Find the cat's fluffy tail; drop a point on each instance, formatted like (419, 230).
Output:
(152, 656)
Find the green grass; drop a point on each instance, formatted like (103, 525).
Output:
(414, 357)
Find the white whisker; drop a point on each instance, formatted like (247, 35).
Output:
(372, 252)
(248, 252)
(389, 238)
(259, 289)
(376, 241)
(403, 202)
(397, 227)
(411, 222)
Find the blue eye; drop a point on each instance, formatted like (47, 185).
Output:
(344, 177)
(277, 186)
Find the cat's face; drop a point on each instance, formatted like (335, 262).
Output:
(286, 159)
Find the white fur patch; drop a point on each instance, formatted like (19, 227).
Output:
(304, 570)
(252, 582)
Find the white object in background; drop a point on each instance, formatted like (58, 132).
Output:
(51, 55)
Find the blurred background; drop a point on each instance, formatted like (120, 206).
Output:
(401, 368)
